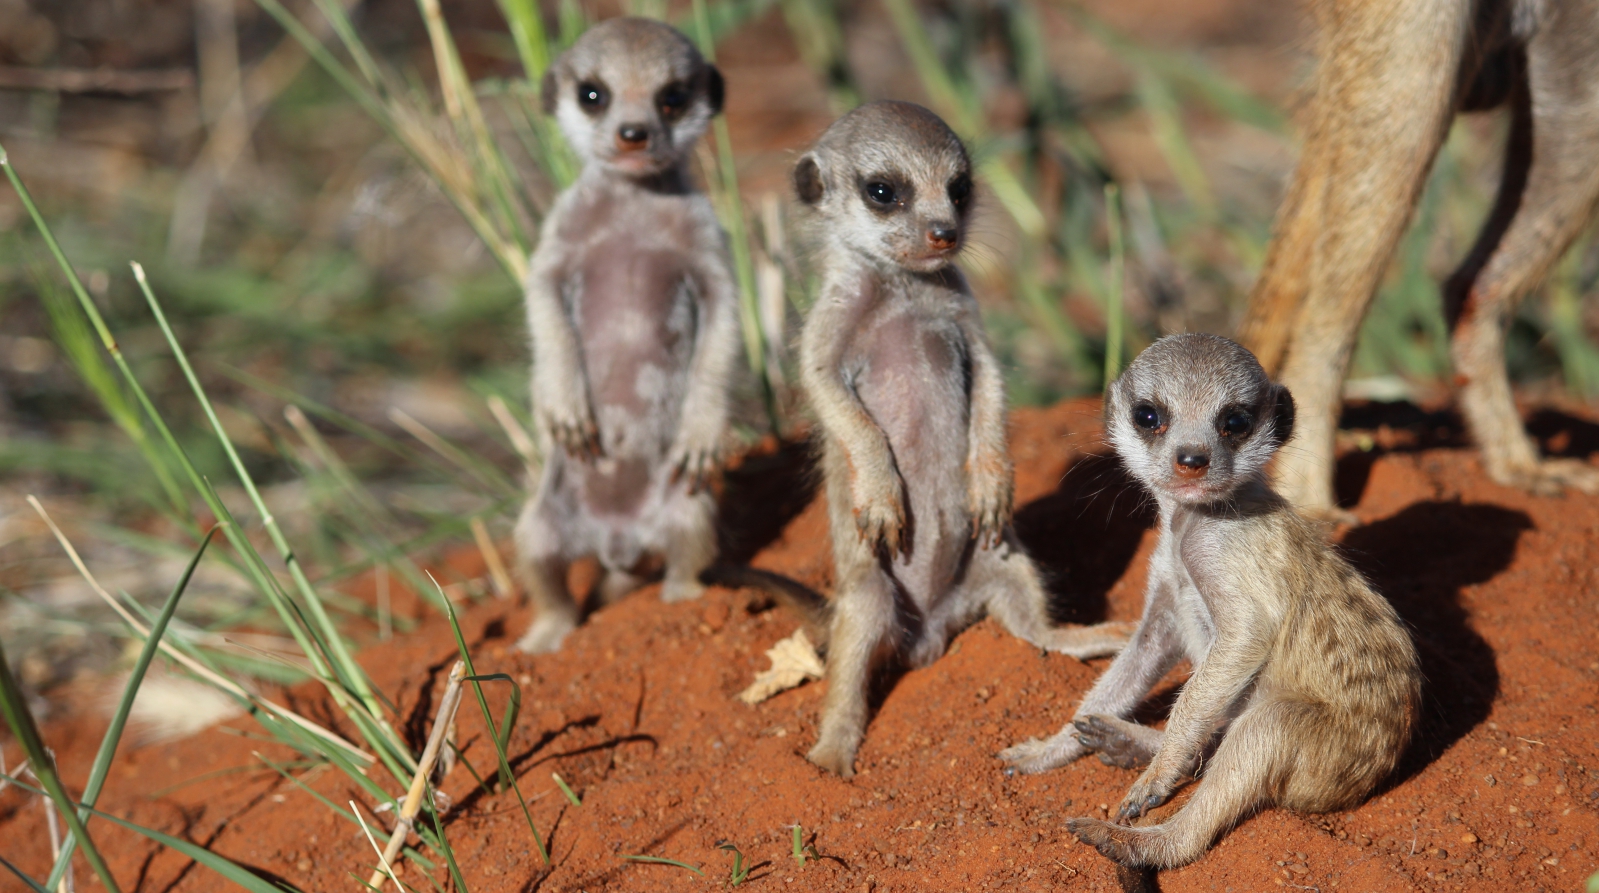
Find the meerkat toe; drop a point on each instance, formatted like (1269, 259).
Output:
(1551, 477)
(1037, 755)
(1114, 746)
(681, 590)
(1110, 840)
(838, 760)
(546, 634)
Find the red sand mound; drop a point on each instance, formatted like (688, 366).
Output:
(638, 715)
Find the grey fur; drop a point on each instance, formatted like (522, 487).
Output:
(910, 403)
(1302, 670)
(633, 314)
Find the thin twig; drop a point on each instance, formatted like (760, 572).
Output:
(382, 859)
(520, 441)
(413, 797)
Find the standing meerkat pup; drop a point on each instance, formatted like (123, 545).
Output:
(911, 408)
(1303, 670)
(633, 315)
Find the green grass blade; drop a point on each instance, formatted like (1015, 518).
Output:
(30, 882)
(1115, 296)
(113, 734)
(565, 789)
(663, 861)
(14, 707)
(223, 866)
(506, 776)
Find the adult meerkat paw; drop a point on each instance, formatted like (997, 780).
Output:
(1037, 755)
(681, 589)
(1113, 745)
(1548, 477)
(1149, 791)
(694, 458)
(990, 498)
(834, 757)
(546, 634)
(570, 423)
(1114, 842)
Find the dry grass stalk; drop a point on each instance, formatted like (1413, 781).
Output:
(442, 721)
(189, 663)
(382, 860)
(491, 557)
(520, 440)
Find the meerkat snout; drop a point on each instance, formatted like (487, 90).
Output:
(633, 95)
(1192, 462)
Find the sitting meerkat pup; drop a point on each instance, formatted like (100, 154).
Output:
(910, 404)
(633, 314)
(1305, 673)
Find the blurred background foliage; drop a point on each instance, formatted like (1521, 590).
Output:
(334, 217)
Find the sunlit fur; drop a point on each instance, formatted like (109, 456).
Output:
(1305, 684)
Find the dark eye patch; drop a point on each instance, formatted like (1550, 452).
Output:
(592, 96)
(886, 193)
(960, 191)
(673, 100)
(1148, 418)
(1236, 422)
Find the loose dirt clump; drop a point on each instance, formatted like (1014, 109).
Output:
(639, 714)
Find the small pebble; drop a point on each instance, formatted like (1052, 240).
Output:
(1529, 779)
(1468, 837)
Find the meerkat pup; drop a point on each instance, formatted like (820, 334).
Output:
(910, 404)
(633, 315)
(1304, 671)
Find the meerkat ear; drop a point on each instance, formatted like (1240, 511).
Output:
(808, 180)
(715, 88)
(548, 86)
(1282, 413)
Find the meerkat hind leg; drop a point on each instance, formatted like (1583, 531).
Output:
(542, 567)
(863, 621)
(1236, 780)
(690, 547)
(1015, 597)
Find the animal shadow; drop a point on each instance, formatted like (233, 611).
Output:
(1420, 559)
(1084, 535)
(1562, 435)
(1433, 429)
(761, 496)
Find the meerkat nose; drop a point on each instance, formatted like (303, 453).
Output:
(1192, 462)
(942, 235)
(632, 136)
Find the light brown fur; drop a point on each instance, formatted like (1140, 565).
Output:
(910, 404)
(1393, 74)
(1302, 670)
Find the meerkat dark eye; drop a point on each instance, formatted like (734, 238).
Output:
(1146, 417)
(592, 97)
(881, 193)
(1238, 423)
(960, 189)
(673, 100)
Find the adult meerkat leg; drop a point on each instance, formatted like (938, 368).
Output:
(690, 546)
(542, 565)
(1555, 127)
(1009, 584)
(1249, 756)
(1119, 742)
(1383, 103)
(1152, 652)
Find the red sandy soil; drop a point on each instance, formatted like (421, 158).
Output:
(638, 714)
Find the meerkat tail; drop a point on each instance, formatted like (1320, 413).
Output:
(815, 611)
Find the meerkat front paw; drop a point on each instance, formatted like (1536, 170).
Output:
(991, 502)
(546, 634)
(1037, 755)
(880, 517)
(694, 457)
(1106, 737)
(1151, 789)
(564, 412)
